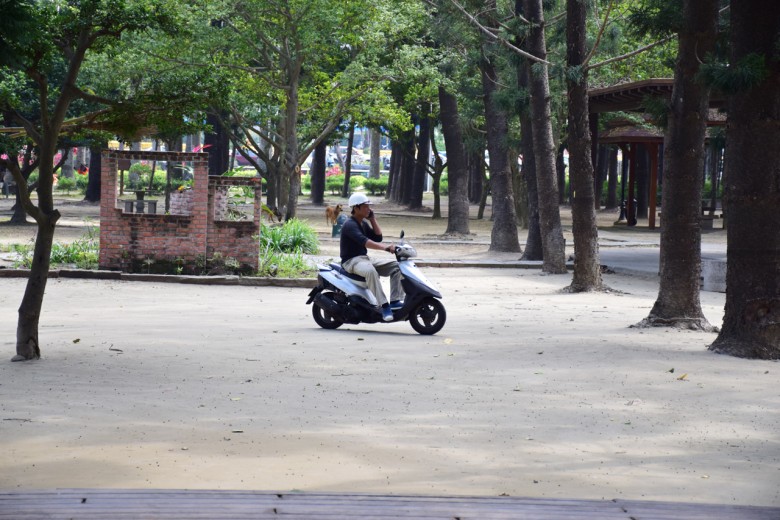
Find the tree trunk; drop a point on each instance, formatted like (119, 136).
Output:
(408, 162)
(218, 146)
(503, 236)
(375, 164)
(291, 170)
(587, 270)
(553, 245)
(678, 303)
(318, 166)
(751, 324)
(95, 166)
(457, 172)
(27, 344)
(396, 157)
(533, 242)
(348, 162)
(421, 164)
(475, 164)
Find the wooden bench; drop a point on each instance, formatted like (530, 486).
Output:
(157, 504)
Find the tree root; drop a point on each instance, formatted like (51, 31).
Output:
(744, 349)
(695, 324)
(603, 288)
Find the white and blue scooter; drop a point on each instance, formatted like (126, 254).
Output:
(341, 297)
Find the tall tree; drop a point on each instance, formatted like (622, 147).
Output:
(587, 269)
(751, 324)
(553, 245)
(503, 236)
(306, 63)
(51, 57)
(458, 205)
(533, 241)
(678, 302)
(422, 162)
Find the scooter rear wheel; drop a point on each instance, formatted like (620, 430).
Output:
(325, 319)
(428, 317)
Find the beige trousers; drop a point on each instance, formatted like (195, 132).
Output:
(371, 269)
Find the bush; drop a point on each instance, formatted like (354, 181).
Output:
(334, 183)
(444, 185)
(81, 183)
(376, 186)
(282, 249)
(66, 184)
(292, 237)
(356, 181)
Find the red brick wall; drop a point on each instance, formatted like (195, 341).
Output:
(141, 242)
(234, 239)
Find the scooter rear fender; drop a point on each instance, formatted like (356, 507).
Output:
(346, 285)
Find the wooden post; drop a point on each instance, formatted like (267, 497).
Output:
(653, 150)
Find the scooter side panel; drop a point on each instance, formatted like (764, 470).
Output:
(348, 286)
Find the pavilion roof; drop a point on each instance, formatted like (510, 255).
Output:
(631, 97)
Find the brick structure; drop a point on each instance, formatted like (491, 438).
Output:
(198, 233)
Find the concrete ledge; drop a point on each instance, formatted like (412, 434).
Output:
(165, 278)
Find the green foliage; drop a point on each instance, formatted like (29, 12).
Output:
(377, 186)
(66, 184)
(737, 77)
(293, 236)
(282, 249)
(81, 183)
(656, 18)
(82, 253)
(444, 185)
(334, 183)
(284, 265)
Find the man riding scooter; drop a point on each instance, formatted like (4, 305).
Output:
(360, 233)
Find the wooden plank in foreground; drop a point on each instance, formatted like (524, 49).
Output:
(141, 504)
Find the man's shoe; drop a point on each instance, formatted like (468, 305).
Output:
(387, 314)
(396, 304)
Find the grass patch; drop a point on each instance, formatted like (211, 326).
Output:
(81, 253)
(282, 250)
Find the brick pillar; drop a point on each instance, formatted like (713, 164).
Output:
(200, 202)
(108, 195)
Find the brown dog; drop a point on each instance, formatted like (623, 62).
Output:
(272, 214)
(331, 214)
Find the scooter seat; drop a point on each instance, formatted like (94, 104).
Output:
(337, 267)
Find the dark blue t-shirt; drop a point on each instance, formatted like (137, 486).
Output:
(354, 237)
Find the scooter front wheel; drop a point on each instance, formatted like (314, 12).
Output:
(428, 317)
(325, 319)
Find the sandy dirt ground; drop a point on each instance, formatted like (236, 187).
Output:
(527, 391)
